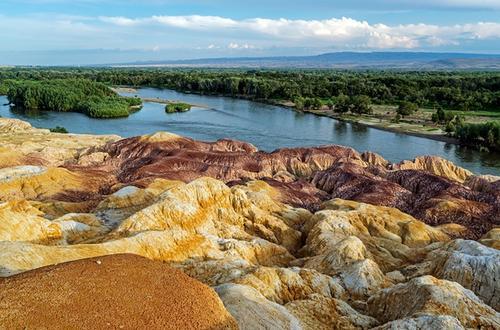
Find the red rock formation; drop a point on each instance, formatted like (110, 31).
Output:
(304, 176)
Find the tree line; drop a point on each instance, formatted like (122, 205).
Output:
(85, 90)
(450, 90)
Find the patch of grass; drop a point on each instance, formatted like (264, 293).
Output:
(478, 113)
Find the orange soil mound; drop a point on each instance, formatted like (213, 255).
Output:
(112, 292)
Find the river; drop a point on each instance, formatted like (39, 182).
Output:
(267, 127)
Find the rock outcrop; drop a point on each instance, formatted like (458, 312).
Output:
(428, 295)
(436, 165)
(304, 238)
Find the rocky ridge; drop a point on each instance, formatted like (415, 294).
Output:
(305, 238)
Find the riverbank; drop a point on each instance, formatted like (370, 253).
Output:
(401, 128)
(418, 124)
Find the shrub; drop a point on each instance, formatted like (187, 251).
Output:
(59, 129)
(299, 103)
(133, 101)
(329, 103)
(441, 116)
(406, 108)
(177, 107)
(397, 118)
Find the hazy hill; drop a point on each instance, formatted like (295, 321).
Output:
(348, 60)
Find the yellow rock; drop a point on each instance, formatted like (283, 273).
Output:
(428, 295)
(436, 165)
(44, 183)
(318, 312)
(22, 144)
(492, 238)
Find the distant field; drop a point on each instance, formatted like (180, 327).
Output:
(472, 113)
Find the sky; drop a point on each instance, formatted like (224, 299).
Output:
(64, 32)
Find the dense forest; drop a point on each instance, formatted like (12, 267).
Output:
(78, 95)
(340, 91)
(451, 90)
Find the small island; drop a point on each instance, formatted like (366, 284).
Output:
(92, 98)
(177, 107)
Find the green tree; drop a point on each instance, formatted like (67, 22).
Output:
(299, 103)
(329, 103)
(361, 104)
(406, 108)
(343, 104)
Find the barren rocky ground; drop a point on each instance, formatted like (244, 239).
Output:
(305, 238)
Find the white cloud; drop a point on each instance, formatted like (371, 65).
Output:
(190, 32)
(234, 45)
(119, 20)
(195, 22)
(345, 32)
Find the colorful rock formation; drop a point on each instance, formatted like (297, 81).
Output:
(305, 238)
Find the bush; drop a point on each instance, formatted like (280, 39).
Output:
(299, 103)
(133, 101)
(177, 107)
(397, 118)
(59, 129)
(406, 108)
(442, 117)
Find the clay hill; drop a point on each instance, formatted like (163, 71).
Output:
(304, 238)
(123, 291)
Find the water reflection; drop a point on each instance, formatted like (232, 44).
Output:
(359, 129)
(27, 113)
(340, 128)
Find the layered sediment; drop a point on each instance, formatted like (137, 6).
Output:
(303, 238)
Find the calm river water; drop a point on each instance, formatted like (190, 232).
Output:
(267, 127)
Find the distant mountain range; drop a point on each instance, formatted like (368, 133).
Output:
(343, 60)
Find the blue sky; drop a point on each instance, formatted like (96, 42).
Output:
(104, 31)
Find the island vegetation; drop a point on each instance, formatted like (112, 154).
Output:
(70, 95)
(177, 107)
(59, 129)
(463, 105)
